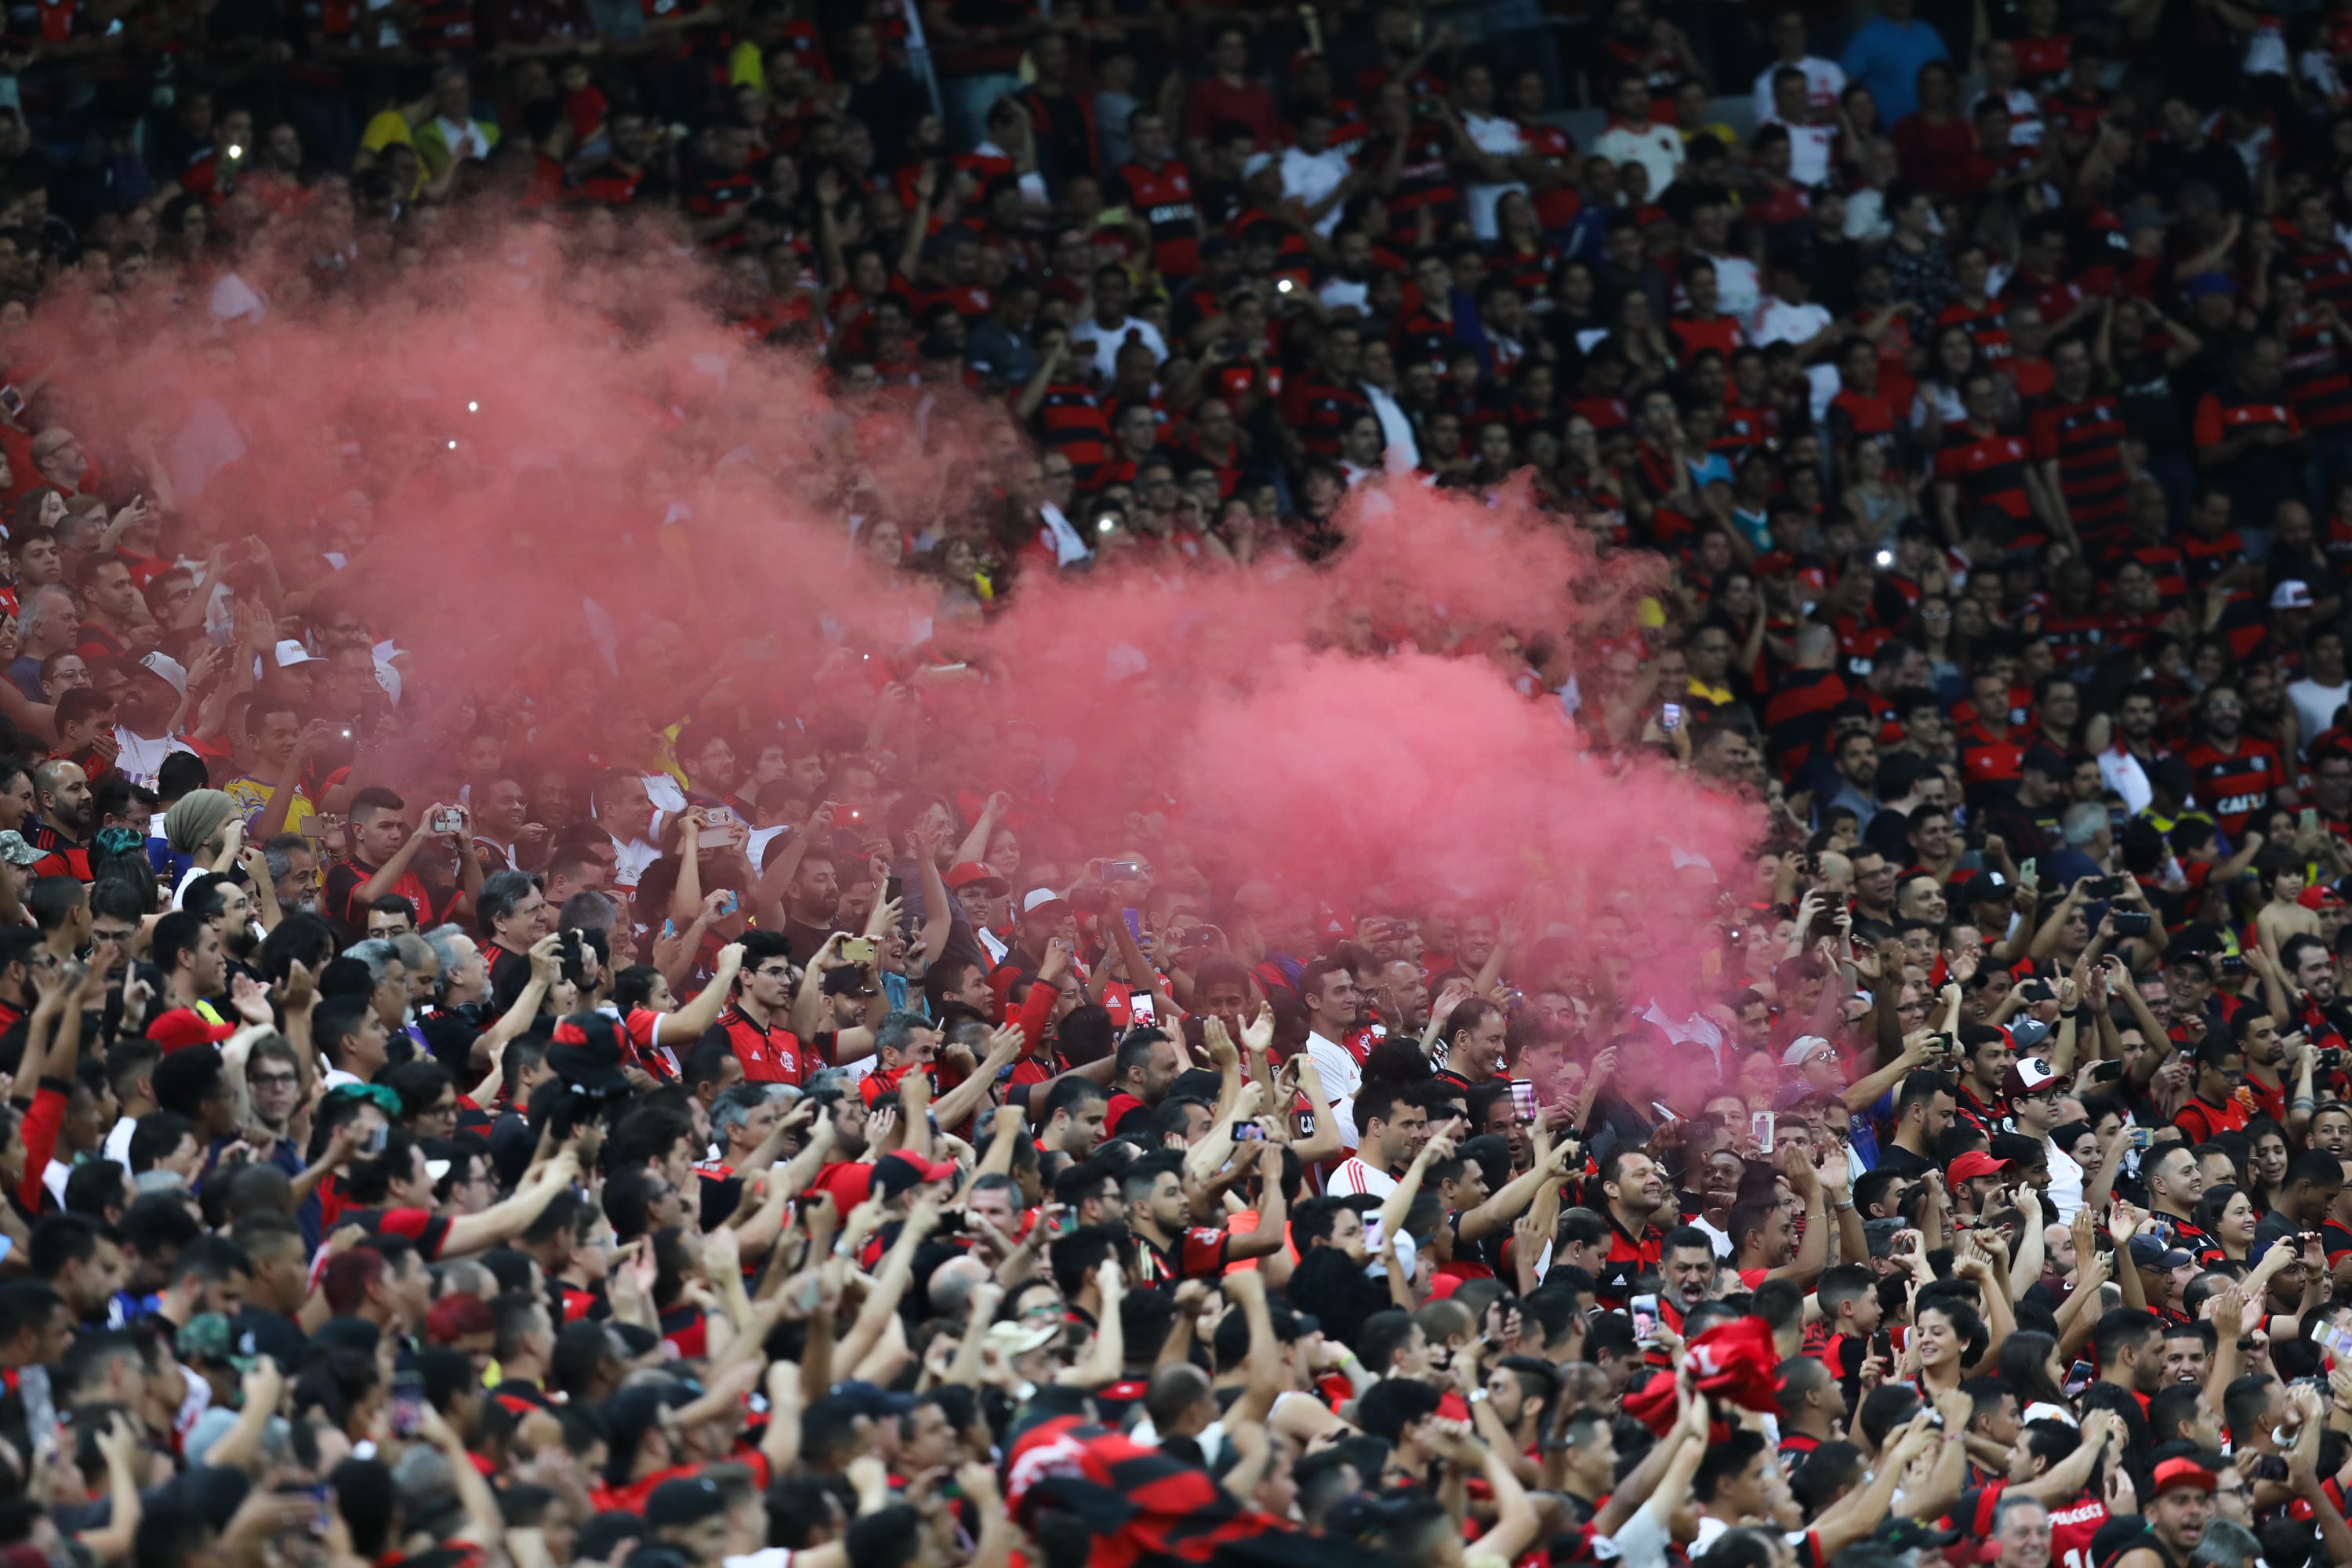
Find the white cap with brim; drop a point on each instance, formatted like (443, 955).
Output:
(166, 669)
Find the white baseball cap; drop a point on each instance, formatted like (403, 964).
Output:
(167, 669)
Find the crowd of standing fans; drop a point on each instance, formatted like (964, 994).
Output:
(695, 1119)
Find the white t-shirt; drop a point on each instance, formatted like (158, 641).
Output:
(1069, 547)
(464, 141)
(2065, 1184)
(1339, 294)
(2024, 116)
(1341, 1078)
(2315, 705)
(1403, 453)
(141, 759)
(631, 858)
(1106, 341)
(1739, 291)
(1355, 1176)
(1824, 81)
(1811, 149)
(1657, 147)
(1503, 138)
(117, 1146)
(1308, 177)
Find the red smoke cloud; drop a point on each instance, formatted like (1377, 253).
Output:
(531, 422)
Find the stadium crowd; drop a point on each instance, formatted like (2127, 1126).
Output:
(568, 1127)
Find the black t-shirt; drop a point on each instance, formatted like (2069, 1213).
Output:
(259, 1331)
(2275, 1227)
(722, 1190)
(1902, 1162)
(806, 939)
(505, 963)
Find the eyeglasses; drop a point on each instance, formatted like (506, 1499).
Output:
(274, 1080)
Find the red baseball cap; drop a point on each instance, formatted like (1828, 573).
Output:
(183, 1026)
(893, 1174)
(1975, 1164)
(2183, 1472)
(964, 873)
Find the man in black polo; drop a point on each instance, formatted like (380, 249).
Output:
(1924, 1108)
(1634, 1190)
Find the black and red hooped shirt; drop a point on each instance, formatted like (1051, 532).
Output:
(1990, 471)
(2235, 784)
(2085, 440)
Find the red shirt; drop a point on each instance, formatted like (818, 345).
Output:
(2234, 786)
(767, 1055)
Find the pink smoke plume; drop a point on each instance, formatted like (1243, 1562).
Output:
(501, 435)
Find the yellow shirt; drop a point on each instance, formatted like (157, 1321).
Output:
(746, 68)
(252, 797)
(387, 128)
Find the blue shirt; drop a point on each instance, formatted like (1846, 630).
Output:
(1886, 57)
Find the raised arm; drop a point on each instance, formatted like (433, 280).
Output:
(506, 1220)
(1498, 1211)
(1273, 1232)
(1396, 1204)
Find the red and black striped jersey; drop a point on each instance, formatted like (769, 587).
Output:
(1990, 471)
(1853, 417)
(2078, 112)
(1691, 334)
(1198, 1253)
(2164, 563)
(1528, 271)
(2327, 274)
(2206, 559)
(2317, 388)
(2242, 619)
(1742, 428)
(2074, 638)
(1797, 719)
(2042, 62)
(2235, 784)
(1421, 337)
(2087, 441)
(1162, 197)
(1985, 324)
(1424, 180)
(442, 25)
(1071, 419)
(716, 193)
(1555, 208)
(1318, 411)
(2337, 542)
(2226, 411)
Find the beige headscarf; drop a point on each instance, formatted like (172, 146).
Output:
(196, 818)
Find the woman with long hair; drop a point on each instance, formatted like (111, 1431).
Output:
(2028, 1362)
(1936, 404)
(1948, 1335)
(2226, 1214)
(2267, 1167)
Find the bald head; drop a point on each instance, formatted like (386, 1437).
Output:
(953, 1283)
(1178, 1402)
